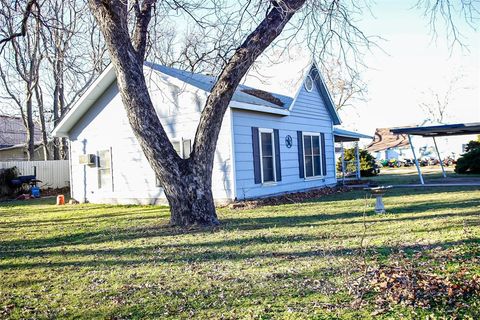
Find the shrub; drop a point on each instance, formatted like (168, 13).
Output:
(469, 162)
(367, 162)
(473, 144)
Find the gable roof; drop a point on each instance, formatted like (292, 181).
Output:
(287, 74)
(384, 139)
(245, 97)
(324, 92)
(13, 132)
(243, 93)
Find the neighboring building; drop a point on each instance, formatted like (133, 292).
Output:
(13, 137)
(268, 144)
(386, 145)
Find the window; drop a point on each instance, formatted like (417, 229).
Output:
(309, 83)
(183, 147)
(267, 155)
(186, 148)
(312, 155)
(104, 169)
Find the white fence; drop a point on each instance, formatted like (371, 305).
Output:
(52, 173)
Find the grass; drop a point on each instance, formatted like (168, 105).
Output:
(409, 175)
(293, 261)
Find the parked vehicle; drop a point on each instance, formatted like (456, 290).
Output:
(408, 162)
(376, 167)
(394, 163)
(423, 162)
(449, 161)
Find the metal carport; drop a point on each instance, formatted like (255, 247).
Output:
(437, 131)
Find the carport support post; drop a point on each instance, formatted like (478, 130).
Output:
(439, 158)
(357, 155)
(416, 160)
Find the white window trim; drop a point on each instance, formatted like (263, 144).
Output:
(182, 151)
(274, 154)
(308, 77)
(180, 141)
(321, 176)
(99, 186)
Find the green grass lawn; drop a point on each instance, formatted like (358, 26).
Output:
(409, 175)
(293, 261)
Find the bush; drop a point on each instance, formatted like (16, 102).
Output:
(6, 176)
(473, 144)
(469, 162)
(367, 162)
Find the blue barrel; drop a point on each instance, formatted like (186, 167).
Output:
(35, 192)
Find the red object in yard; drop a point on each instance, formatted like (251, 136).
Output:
(60, 200)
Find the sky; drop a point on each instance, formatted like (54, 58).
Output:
(411, 63)
(414, 63)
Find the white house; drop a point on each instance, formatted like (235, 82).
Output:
(269, 143)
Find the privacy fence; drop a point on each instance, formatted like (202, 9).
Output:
(52, 173)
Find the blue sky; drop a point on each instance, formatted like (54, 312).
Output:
(414, 62)
(400, 74)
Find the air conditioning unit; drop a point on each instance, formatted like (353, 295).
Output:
(88, 159)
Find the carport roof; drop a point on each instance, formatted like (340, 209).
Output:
(342, 135)
(440, 131)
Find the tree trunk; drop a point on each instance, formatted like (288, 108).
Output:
(43, 126)
(30, 126)
(186, 186)
(191, 201)
(186, 183)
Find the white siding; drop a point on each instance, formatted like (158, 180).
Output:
(53, 173)
(106, 126)
(308, 114)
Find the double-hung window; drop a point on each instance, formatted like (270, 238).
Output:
(267, 155)
(183, 147)
(312, 154)
(104, 169)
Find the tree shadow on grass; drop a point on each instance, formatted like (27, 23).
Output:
(93, 217)
(231, 224)
(141, 255)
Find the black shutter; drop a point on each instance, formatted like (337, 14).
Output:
(256, 156)
(278, 164)
(300, 154)
(324, 155)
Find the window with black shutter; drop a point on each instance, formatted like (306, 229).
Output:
(313, 154)
(266, 155)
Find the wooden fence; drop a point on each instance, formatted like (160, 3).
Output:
(52, 173)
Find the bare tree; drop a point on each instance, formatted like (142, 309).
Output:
(76, 55)
(437, 103)
(20, 75)
(345, 85)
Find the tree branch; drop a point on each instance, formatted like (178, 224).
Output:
(238, 65)
(23, 30)
(143, 15)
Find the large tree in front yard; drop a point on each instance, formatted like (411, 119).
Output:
(249, 26)
(186, 182)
